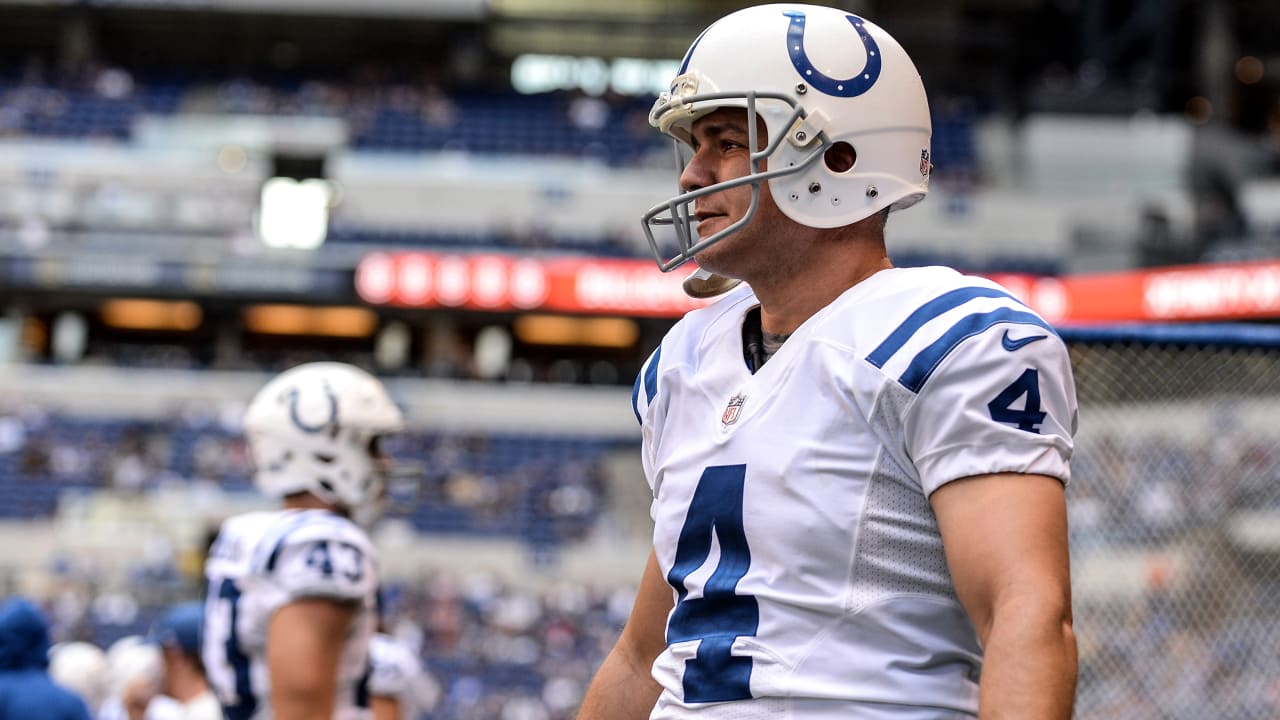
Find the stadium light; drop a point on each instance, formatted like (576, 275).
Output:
(534, 73)
(294, 213)
(345, 322)
(142, 314)
(563, 330)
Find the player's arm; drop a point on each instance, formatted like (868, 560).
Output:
(623, 687)
(385, 707)
(305, 639)
(1005, 537)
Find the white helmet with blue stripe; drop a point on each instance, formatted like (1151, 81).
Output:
(817, 76)
(315, 428)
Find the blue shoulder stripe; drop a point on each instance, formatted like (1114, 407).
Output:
(927, 312)
(649, 376)
(294, 523)
(928, 359)
(304, 517)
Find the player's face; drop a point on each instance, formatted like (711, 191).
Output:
(720, 152)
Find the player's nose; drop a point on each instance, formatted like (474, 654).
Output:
(697, 173)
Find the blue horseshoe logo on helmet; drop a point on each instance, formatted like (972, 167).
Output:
(851, 87)
(312, 429)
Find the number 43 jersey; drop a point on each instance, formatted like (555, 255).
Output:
(790, 506)
(264, 560)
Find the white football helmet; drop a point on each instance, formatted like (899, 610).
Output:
(314, 429)
(817, 76)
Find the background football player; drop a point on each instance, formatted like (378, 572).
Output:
(291, 603)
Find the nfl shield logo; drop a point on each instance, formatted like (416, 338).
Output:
(925, 166)
(730, 415)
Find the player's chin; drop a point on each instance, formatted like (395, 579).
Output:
(718, 258)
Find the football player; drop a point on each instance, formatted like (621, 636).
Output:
(857, 471)
(291, 602)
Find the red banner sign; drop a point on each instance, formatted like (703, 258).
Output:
(603, 286)
(507, 282)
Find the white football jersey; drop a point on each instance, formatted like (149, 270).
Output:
(790, 506)
(264, 560)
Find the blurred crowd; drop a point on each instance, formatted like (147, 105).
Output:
(489, 650)
(383, 108)
(1149, 490)
(544, 490)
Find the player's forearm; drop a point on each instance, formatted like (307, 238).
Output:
(622, 689)
(1030, 667)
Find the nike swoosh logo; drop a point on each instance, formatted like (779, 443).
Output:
(1010, 344)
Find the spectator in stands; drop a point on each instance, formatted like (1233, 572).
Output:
(179, 633)
(80, 667)
(134, 669)
(26, 690)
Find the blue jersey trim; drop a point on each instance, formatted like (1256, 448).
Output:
(635, 396)
(927, 312)
(928, 359)
(650, 378)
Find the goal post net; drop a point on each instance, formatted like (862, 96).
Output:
(1175, 521)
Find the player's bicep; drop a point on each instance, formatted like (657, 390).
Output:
(305, 639)
(1005, 538)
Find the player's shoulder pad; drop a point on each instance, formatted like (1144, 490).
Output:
(305, 527)
(946, 314)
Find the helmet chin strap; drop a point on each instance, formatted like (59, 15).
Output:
(706, 284)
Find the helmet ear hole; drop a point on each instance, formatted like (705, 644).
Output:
(840, 157)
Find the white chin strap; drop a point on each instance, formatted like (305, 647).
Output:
(706, 284)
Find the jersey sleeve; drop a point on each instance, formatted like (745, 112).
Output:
(991, 399)
(321, 555)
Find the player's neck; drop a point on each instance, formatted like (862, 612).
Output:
(786, 304)
(308, 501)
